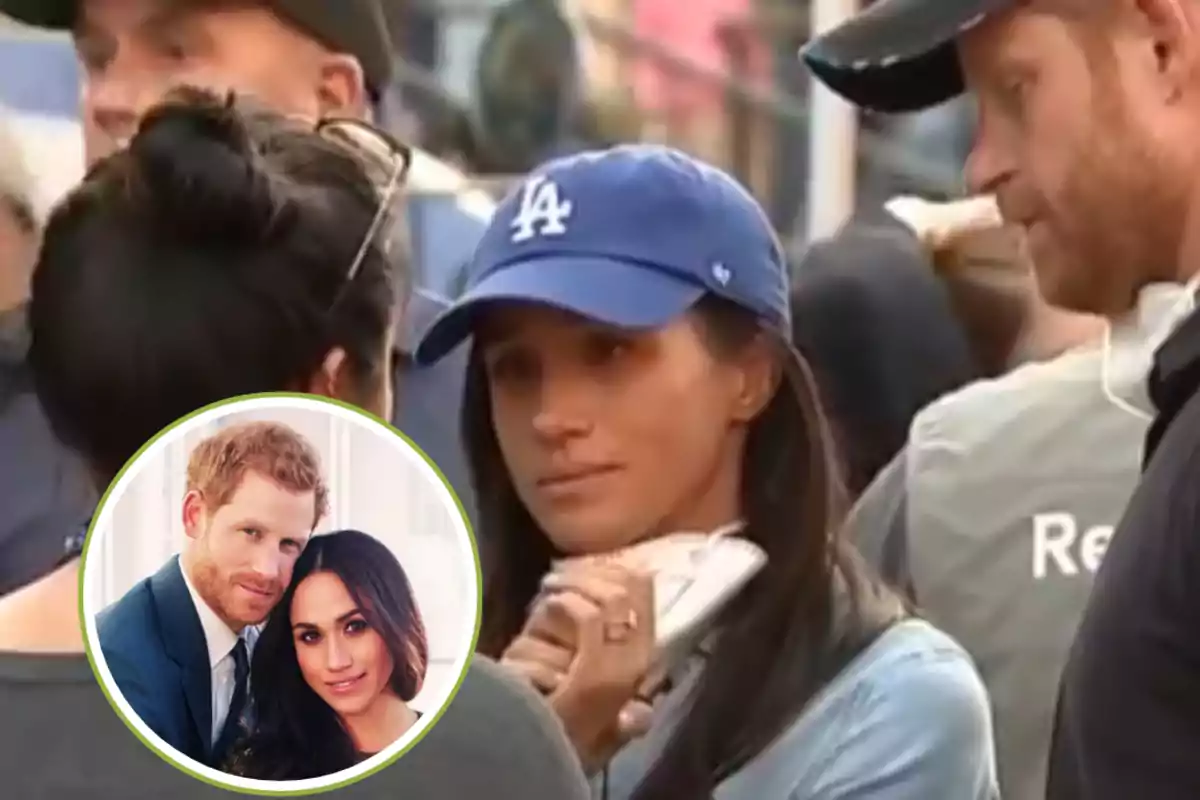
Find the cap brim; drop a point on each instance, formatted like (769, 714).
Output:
(897, 55)
(53, 14)
(605, 290)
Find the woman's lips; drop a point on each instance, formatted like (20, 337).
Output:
(345, 686)
(571, 481)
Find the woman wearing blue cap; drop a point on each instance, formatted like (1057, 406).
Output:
(646, 444)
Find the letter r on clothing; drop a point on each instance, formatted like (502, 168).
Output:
(1053, 537)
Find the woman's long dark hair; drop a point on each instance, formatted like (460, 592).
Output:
(296, 734)
(787, 634)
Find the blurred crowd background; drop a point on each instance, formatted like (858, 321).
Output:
(489, 88)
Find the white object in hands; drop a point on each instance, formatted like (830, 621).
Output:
(695, 577)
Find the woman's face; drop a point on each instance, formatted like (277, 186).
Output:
(611, 436)
(344, 660)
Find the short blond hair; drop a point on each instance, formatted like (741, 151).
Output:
(219, 463)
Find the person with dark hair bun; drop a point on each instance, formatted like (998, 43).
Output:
(339, 660)
(228, 250)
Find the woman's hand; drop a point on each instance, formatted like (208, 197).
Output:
(589, 645)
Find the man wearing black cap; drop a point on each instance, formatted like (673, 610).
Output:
(1089, 134)
(58, 737)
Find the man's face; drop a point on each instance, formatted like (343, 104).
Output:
(134, 51)
(242, 553)
(1081, 144)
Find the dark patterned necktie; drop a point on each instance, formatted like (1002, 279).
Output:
(233, 729)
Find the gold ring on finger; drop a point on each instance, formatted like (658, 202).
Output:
(619, 631)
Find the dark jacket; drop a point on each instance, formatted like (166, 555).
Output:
(45, 494)
(1128, 720)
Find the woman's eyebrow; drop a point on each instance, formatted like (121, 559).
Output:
(354, 612)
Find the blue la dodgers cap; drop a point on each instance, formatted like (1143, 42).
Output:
(632, 236)
(898, 55)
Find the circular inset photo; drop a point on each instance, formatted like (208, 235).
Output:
(280, 594)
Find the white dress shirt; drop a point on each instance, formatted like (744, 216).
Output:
(221, 641)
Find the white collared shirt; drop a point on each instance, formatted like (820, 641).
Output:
(221, 641)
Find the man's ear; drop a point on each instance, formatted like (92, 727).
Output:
(194, 511)
(330, 379)
(342, 91)
(1173, 28)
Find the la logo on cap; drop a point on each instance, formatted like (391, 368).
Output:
(542, 211)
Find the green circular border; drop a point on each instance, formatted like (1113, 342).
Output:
(478, 594)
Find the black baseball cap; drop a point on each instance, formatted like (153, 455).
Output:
(897, 55)
(357, 27)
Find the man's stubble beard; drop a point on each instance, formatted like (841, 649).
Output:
(207, 580)
(213, 587)
(1126, 212)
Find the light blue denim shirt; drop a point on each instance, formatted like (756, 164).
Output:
(908, 719)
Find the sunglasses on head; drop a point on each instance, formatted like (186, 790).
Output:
(387, 161)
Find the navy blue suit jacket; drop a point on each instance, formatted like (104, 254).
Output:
(155, 649)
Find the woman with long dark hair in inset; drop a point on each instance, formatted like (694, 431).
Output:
(631, 378)
(337, 663)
